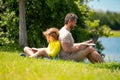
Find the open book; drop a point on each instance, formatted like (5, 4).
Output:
(91, 44)
(35, 48)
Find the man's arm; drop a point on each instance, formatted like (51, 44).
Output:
(87, 42)
(68, 48)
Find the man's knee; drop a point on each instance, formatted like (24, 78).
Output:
(90, 49)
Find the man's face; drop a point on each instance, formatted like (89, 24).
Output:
(72, 24)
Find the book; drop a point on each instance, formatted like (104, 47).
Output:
(91, 44)
(34, 48)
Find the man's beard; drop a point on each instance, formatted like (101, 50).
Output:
(72, 27)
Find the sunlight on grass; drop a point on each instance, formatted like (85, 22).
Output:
(15, 67)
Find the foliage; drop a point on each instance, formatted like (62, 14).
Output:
(14, 67)
(95, 28)
(109, 18)
(8, 23)
(115, 33)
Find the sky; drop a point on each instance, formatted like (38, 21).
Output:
(105, 5)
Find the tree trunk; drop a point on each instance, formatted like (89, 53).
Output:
(22, 24)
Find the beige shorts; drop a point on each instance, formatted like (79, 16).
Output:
(79, 56)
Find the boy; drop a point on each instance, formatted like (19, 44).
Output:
(53, 48)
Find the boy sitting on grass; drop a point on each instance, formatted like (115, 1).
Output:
(53, 48)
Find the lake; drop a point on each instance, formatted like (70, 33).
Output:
(112, 48)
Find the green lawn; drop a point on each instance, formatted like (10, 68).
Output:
(115, 33)
(15, 67)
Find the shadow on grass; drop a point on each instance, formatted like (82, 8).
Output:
(11, 48)
(108, 65)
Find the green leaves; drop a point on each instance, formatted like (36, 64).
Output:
(109, 18)
(95, 28)
(8, 25)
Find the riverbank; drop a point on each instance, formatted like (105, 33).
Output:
(116, 33)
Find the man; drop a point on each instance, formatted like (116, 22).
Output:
(75, 51)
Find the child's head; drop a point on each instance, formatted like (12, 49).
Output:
(51, 34)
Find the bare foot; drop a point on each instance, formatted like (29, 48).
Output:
(33, 56)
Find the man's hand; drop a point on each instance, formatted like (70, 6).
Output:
(89, 41)
(81, 46)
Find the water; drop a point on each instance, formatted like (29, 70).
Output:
(112, 48)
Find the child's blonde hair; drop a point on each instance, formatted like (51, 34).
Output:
(54, 32)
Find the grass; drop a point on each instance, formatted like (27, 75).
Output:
(15, 67)
(115, 33)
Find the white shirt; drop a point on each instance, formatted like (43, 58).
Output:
(66, 37)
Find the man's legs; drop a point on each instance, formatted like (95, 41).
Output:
(88, 52)
(94, 57)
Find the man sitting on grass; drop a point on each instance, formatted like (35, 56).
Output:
(75, 51)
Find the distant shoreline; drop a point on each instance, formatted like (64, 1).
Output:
(116, 33)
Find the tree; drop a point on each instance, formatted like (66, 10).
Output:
(22, 24)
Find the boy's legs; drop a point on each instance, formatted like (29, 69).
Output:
(42, 52)
(29, 51)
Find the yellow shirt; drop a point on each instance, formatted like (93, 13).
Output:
(54, 48)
